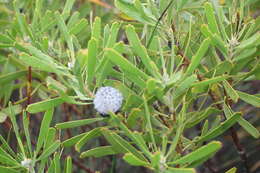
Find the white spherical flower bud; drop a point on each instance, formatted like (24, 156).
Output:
(108, 99)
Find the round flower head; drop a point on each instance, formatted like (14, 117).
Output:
(107, 99)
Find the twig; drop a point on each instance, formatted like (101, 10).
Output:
(210, 168)
(207, 164)
(240, 149)
(81, 166)
(29, 88)
(67, 118)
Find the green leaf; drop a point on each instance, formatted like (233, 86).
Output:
(134, 136)
(230, 91)
(113, 35)
(53, 84)
(12, 76)
(48, 151)
(232, 170)
(132, 160)
(213, 26)
(141, 51)
(45, 124)
(89, 135)
(9, 170)
(8, 160)
(209, 81)
(250, 99)
(5, 156)
(5, 39)
(23, 26)
(135, 10)
(222, 68)
(16, 129)
(96, 30)
(119, 60)
(72, 141)
(99, 152)
(180, 170)
(251, 42)
(78, 27)
(184, 85)
(215, 39)
(199, 116)
(77, 123)
(67, 8)
(148, 122)
(175, 140)
(52, 166)
(68, 165)
(44, 105)
(220, 128)
(136, 79)
(156, 160)
(50, 139)
(133, 116)
(205, 151)
(195, 60)
(38, 63)
(39, 54)
(92, 60)
(6, 148)
(5, 111)
(248, 127)
(126, 91)
(121, 145)
(64, 30)
(131, 102)
(56, 160)
(26, 132)
(244, 53)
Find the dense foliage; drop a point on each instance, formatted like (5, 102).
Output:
(188, 72)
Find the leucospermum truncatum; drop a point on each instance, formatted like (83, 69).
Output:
(107, 99)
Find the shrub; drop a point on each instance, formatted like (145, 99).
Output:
(184, 69)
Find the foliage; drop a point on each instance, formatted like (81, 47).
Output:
(180, 65)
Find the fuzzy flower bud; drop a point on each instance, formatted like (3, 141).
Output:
(107, 99)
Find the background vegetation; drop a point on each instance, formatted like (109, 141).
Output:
(188, 70)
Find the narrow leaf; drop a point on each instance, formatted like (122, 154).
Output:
(68, 165)
(92, 60)
(132, 160)
(195, 60)
(209, 81)
(6, 78)
(91, 134)
(202, 152)
(44, 105)
(230, 91)
(251, 99)
(99, 152)
(77, 123)
(119, 60)
(180, 170)
(141, 51)
(45, 124)
(248, 127)
(48, 151)
(221, 128)
(213, 26)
